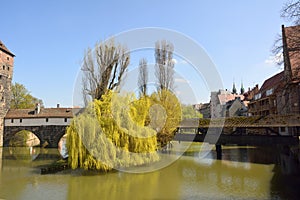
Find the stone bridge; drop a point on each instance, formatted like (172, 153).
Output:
(50, 134)
(48, 124)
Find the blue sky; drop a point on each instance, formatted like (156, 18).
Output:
(49, 37)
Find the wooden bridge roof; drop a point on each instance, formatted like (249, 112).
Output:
(244, 122)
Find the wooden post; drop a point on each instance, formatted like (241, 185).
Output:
(219, 151)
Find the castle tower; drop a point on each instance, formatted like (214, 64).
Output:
(6, 72)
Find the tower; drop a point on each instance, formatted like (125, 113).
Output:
(6, 72)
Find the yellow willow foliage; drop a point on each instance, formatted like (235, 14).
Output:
(110, 134)
(172, 108)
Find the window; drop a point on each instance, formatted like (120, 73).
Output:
(21, 120)
(269, 92)
(47, 119)
(7, 68)
(12, 120)
(257, 96)
(7, 58)
(282, 129)
(3, 67)
(66, 119)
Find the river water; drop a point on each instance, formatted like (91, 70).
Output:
(243, 173)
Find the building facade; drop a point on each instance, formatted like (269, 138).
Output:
(224, 103)
(265, 100)
(6, 73)
(280, 94)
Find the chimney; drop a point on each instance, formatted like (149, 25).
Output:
(57, 106)
(37, 108)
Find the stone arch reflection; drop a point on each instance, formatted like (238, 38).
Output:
(24, 145)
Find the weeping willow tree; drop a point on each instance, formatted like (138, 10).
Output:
(111, 134)
(166, 115)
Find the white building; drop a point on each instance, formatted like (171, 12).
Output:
(39, 116)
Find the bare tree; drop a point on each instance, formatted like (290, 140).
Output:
(290, 12)
(143, 77)
(103, 69)
(164, 70)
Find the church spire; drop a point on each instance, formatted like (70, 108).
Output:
(242, 88)
(233, 89)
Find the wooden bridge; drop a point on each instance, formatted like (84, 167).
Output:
(254, 131)
(269, 130)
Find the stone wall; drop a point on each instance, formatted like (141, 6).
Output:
(6, 73)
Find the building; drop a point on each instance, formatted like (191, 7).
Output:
(39, 117)
(6, 73)
(235, 107)
(204, 109)
(280, 94)
(264, 101)
(249, 95)
(288, 99)
(222, 101)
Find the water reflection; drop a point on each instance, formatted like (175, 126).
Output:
(24, 153)
(1, 150)
(190, 177)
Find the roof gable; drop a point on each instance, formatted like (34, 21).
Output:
(5, 49)
(272, 82)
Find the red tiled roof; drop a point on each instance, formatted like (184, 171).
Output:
(224, 98)
(272, 82)
(3, 48)
(44, 113)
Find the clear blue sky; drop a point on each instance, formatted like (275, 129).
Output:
(49, 37)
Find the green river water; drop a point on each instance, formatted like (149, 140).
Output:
(243, 173)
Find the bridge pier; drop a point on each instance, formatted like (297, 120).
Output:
(219, 151)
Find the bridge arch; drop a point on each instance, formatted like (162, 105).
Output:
(25, 138)
(49, 136)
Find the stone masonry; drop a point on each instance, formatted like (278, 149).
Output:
(6, 73)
